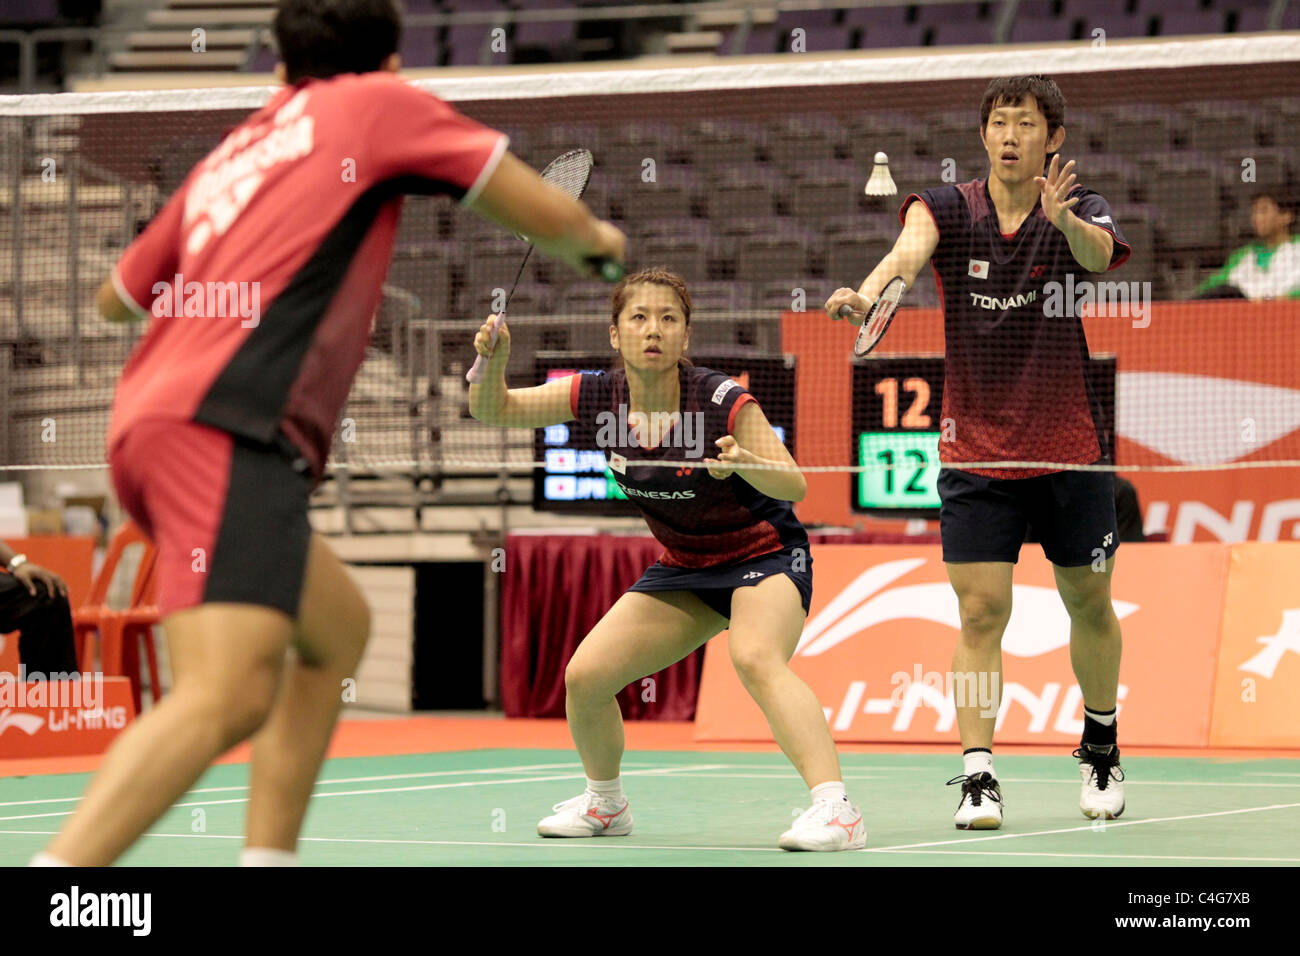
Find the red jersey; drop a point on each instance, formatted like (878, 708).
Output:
(263, 270)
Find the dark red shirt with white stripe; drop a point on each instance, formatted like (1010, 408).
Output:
(293, 218)
(1014, 386)
(700, 520)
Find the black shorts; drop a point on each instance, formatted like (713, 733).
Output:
(714, 585)
(1072, 513)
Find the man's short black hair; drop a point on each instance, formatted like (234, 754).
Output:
(1011, 91)
(1283, 197)
(323, 38)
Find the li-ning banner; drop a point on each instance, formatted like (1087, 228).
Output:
(1209, 387)
(1211, 650)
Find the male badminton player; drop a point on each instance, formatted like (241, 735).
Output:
(735, 555)
(1014, 390)
(223, 420)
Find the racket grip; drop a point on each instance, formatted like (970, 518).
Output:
(479, 368)
(845, 311)
(608, 269)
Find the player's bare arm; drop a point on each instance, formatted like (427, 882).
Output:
(756, 443)
(112, 307)
(1091, 245)
(517, 198)
(912, 250)
(493, 404)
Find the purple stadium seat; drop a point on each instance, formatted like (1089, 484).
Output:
(30, 11)
(1040, 29)
(890, 36)
(762, 40)
(961, 32)
(554, 36)
(263, 61)
(876, 17)
(420, 46)
(1036, 9)
(465, 44)
(1117, 25)
(787, 20)
(952, 13)
(1191, 22)
(824, 39)
(473, 6)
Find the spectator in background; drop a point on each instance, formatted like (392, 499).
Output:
(34, 600)
(1269, 268)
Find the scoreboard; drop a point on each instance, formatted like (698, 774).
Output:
(576, 479)
(897, 410)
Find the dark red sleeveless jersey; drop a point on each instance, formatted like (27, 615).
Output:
(263, 271)
(1014, 386)
(700, 520)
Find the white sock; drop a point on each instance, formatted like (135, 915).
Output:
(607, 789)
(47, 859)
(263, 856)
(979, 761)
(832, 790)
(1104, 719)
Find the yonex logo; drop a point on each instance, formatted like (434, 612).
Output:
(1037, 272)
(27, 723)
(1105, 542)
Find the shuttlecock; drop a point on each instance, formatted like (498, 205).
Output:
(881, 183)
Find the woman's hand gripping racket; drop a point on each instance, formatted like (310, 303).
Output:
(878, 316)
(570, 172)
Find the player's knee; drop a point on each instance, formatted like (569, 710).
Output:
(754, 664)
(583, 682)
(984, 617)
(1090, 609)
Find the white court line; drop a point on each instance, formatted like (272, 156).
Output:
(1096, 856)
(354, 793)
(1109, 825)
(1072, 783)
(530, 768)
(613, 844)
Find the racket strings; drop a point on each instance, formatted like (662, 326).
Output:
(570, 172)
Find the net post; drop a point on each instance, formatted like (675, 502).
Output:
(16, 223)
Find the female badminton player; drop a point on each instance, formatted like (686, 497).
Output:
(222, 423)
(735, 555)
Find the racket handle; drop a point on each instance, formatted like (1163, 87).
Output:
(845, 311)
(479, 368)
(609, 270)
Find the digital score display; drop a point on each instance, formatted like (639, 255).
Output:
(897, 420)
(576, 478)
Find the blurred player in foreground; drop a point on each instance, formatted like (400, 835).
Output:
(735, 554)
(223, 419)
(1014, 390)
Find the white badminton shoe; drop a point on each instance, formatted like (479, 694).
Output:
(826, 825)
(587, 815)
(981, 802)
(1102, 796)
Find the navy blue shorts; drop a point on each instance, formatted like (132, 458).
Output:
(1071, 513)
(714, 585)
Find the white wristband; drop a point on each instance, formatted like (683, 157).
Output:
(16, 562)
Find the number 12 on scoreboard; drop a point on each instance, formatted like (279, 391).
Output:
(906, 473)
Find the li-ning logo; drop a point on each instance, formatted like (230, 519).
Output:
(27, 723)
(1276, 645)
(1039, 623)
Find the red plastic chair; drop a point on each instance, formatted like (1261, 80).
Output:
(121, 633)
(87, 619)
